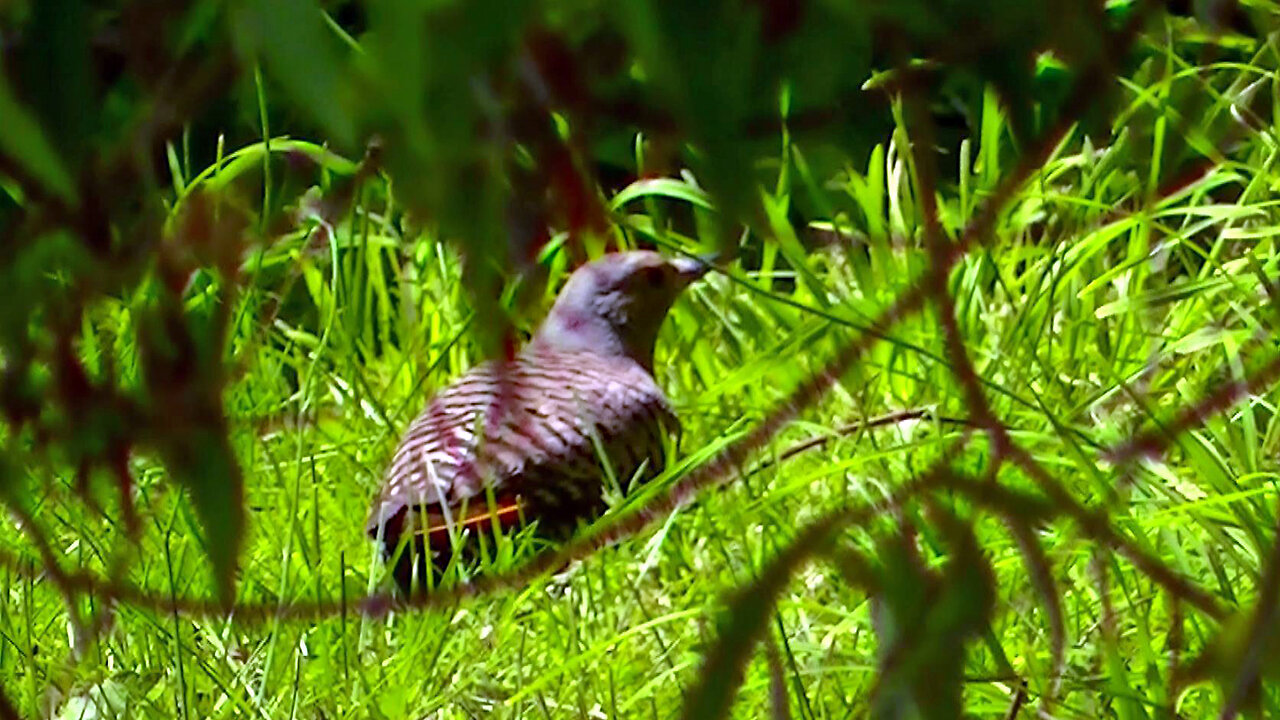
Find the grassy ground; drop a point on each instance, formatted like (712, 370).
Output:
(1107, 295)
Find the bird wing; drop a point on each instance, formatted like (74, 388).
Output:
(528, 427)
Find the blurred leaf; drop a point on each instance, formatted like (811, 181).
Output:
(702, 59)
(302, 53)
(56, 78)
(923, 619)
(182, 359)
(204, 464)
(23, 140)
(1243, 657)
(744, 620)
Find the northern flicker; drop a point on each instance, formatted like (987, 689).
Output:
(528, 438)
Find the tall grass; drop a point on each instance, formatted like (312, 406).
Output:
(1131, 276)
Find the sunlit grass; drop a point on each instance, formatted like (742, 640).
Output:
(1102, 302)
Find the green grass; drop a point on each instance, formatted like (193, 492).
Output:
(1100, 304)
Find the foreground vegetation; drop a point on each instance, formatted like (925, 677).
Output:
(1045, 480)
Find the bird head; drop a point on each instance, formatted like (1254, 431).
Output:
(615, 305)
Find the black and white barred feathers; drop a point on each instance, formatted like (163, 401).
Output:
(529, 438)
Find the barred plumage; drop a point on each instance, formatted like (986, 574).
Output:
(528, 437)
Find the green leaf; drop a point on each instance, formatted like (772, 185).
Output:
(24, 140)
(182, 356)
(662, 187)
(204, 464)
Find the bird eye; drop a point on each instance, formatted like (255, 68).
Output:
(654, 277)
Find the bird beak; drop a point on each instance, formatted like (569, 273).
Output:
(690, 268)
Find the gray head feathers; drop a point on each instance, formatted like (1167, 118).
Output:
(615, 305)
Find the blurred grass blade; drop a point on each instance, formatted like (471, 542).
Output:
(205, 465)
(304, 56)
(744, 621)
(24, 140)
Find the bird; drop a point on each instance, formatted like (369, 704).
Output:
(532, 437)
